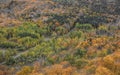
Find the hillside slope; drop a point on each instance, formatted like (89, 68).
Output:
(59, 37)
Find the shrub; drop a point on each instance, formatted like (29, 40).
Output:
(50, 60)
(109, 62)
(28, 42)
(119, 27)
(10, 61)
(80, 53)
(8, 56)
(91, 70)
(103, 71)
(26, 70)
(28, 34)
(9, 33)
(4, 70)
(85, 27)
(1, 56)
(8, 44)
(94, 20)
(21, 48)
(69, 58)
(113, 28)
(2, 37)
(75, 34)
(65, 1)
(80, 63)
(60, 30)
(102, 30)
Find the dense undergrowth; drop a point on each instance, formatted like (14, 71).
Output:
(83, 50)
